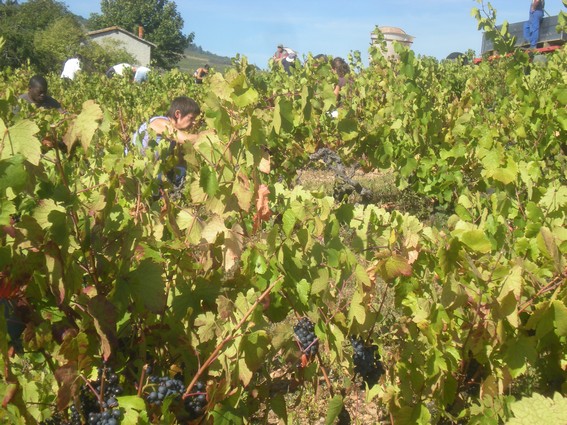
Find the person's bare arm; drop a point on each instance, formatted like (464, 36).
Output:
(337, 90)
(163, 127)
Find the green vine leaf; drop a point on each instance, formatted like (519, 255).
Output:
(20, 139)
(334, 409)
(146, 286)
(539, 409)
(477, 241)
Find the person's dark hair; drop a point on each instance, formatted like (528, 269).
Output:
(320, 57)
(38, 81)
(342, 69)
(185, 105)
(207, 66)
(337, 62)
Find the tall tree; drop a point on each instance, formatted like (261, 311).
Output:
(162, 24)
(20, 22)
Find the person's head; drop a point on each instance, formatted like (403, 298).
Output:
(183, 112)
(336, 62)
(206, 67)
(280, 48)
(342, 69)
(37, 89)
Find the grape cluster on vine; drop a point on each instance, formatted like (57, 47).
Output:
(91, 409)
(305, 333)
(366, 361)
(163, 387)
(196, 402)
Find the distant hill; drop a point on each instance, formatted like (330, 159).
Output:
(196, 57)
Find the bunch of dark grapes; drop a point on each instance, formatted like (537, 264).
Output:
(305, 333)
(108, 417)
(196, 402)
(366, 361)
(95, 412)
(54, 420)
(163, 387)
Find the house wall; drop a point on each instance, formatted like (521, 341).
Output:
(140, 51)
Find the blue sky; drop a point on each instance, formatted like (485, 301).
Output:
(254, 28)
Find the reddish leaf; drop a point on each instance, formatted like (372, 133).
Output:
(67, 378)
(262, 206)
(393, 267)
(104, 315)
(10, 393)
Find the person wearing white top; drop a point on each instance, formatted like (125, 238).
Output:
(141, 74)
(118, 69)
(70, 69)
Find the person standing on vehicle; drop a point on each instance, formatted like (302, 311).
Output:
(280, 54)
(531, 27)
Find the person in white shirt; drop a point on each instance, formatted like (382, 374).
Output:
(141, 74)
(118, 69)
(71, 67)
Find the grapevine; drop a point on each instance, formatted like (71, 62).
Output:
(466, 295)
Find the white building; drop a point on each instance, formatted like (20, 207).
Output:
(139, 48)
(391, 35)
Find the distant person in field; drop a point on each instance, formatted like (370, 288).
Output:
(140, 73)
(342, 70)
(118, 69)
(531, 27)
(174, 127)
(201, 73)
(37, 94)
(71, 67)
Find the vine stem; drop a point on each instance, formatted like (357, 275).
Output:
(217, 350)
(549, 287)
(88, 384)
(142, 378)
(75, 219)
(325, 376)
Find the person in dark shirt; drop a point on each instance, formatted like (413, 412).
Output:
(531, 27)
(37, 94)
(342, 70)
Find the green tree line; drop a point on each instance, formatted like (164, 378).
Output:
(44, 33)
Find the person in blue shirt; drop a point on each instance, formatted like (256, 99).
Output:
(531, 27)
(173, 127)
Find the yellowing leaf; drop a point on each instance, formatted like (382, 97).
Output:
(265, 162)
(20, 139)
(84, 126)
(243, 191)
(213, 228)
(233, 245)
